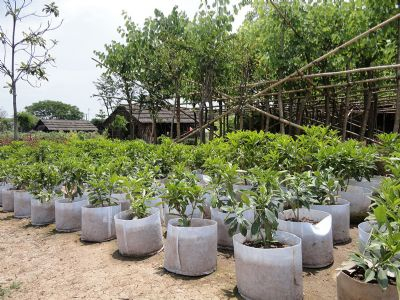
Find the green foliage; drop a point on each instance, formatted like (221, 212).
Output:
(263, 202)
(74, 175)
(140, 191)
(325, 187)
(50, 109)
(45, 181)
(26, 121)
(183, 191)
(298, 191)
(380, 258)
(101, 184)
(119, 123)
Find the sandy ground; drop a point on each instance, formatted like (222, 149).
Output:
(39, 263)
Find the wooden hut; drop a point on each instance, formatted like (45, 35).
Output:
(143, 122)
(65, 125)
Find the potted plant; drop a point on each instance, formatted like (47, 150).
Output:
(224, 196)
(351, 162)
(20, 199)
(268, 262)
(4, 185)
(98, 216)
(68, 209)
(180, 173)
(139, 228)
(375, 273)
(314, 227)
(325, 187)
(191, 245)
(46, 179)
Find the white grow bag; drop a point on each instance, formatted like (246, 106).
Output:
(317, 242)
(269, 274)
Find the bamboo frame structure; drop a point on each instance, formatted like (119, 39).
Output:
(349, 98)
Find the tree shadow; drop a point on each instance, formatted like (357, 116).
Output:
(311, 271)
(30, 225)
(335, 246)
(7, 218)
(163, 272)
(225, 252)
(118, 256)
(232, 294)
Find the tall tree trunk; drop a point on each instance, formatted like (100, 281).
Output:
(154, 129)
(171, 133)
(300, 111)
(221, 129)
(280, 103)
(346, 106)
(195, 123)
(13, 80)
(130, 107)
(366, 114)
(268, 119)
(210, 117)
(397, 116)
(178, 115)
(280, 108)
(327, 104)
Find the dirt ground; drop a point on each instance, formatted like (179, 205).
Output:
(38, 263)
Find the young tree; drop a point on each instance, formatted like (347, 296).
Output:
(208, 36)
(26, 121)
(26, 52)
(50, 109)
(108, 89)
(171, 31)
(122, 62)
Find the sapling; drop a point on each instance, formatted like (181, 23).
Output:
(46, 179)
(140, 192)
(379, 261)
(224, 175)
(298, 192)
(74, 175)
(101, 184)
(181, 192)
(264, 204)
(325, 187)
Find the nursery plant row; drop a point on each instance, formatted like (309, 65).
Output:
(279, 202)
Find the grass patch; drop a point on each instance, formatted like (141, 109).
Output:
(6, 291)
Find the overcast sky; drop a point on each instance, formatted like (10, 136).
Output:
(87, 26)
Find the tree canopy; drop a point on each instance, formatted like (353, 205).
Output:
(203, 61)
(26, 49)
(51, 109)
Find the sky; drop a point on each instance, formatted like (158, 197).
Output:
(87, 26)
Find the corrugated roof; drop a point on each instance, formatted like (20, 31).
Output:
(164, 116)
(66, 125)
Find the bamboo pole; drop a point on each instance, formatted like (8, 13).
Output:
(281, 120)
(326, 55)
(206, 125)
(327, 74)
